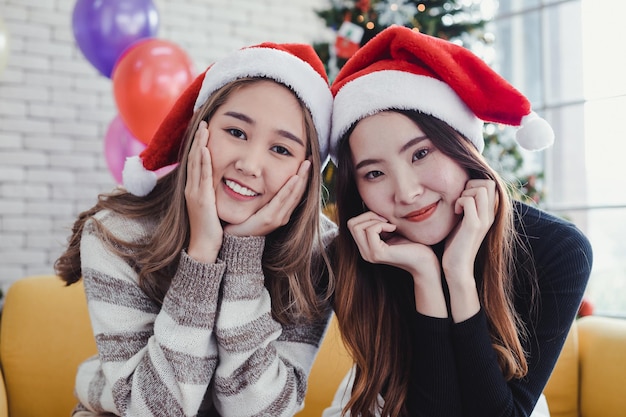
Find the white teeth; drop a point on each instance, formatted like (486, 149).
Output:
(239, 189)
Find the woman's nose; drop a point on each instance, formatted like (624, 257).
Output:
(406, 188)
(250, 163)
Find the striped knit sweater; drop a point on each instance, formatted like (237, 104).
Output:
(212, 343)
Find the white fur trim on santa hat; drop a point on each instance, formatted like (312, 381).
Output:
(282, 67)
(392, 89)
(137, 179)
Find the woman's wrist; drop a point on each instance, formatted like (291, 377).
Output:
(429, 296)
(464, 301)
(202, 253)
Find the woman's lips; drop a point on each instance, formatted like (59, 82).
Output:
(238, 191)
(422, 214)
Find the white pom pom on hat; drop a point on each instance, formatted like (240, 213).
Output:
(534, 134)
(137, 179)
(294, 65)
(404, 69)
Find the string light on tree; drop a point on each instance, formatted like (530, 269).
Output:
(395, 12)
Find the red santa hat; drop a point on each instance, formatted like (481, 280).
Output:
(296, 66)
(404, 69)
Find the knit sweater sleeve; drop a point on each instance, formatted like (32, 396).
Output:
(150, 357)
(433, 386)
(263, 365)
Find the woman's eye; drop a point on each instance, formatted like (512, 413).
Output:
(373, 174)
(420, 154)
(280, 150)
(237, 133)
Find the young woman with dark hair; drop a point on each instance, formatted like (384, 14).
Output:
(453, 299)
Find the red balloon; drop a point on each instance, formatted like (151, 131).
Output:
(147, 80)
(586, 308)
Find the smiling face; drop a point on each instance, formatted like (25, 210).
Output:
(257, 141)
(403, 177)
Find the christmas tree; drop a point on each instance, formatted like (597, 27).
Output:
(353, 23)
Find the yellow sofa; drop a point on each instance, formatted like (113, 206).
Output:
(589, 379)
(45, 333)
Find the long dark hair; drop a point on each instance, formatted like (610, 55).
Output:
(292, 252)
(374, 301)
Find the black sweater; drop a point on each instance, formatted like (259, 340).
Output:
(454, 367)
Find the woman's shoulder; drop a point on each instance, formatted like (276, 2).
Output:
(123, 227)
(532, 218)
(548, 231)
(328, 230)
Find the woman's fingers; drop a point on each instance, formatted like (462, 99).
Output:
(477, 204)
(278, 210)
(199, 187)
(206, 231)
(289, 196)
(379, 243)
(195, 158)
(365, 217)
(366, 230)
(478, 201)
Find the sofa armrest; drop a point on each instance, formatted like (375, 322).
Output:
(602, 349)
(4, 406)
(562, 390)
(45, 333)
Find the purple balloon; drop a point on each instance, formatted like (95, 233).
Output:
(119, 144)
(103, 29)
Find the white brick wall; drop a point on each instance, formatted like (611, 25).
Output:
(55, 108)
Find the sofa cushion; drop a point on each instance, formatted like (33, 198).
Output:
(602, 344)
(330, 367)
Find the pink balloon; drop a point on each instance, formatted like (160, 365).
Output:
(119, 144)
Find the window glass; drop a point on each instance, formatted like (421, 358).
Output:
(604, 52)
(564, 163)
(605, 134)
(562, 40)
(607, 286)
(518, 51)
(515, 6)
(568, 57)
(604, 66)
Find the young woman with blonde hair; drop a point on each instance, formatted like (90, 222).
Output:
(453, 299)
(209, 288)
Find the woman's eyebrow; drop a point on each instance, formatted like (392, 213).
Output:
(412, 142)
(240, 116)
(365, 162)
(247, 119)
(291, 136)
(404, 147)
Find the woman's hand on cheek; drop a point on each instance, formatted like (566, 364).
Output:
(377, 243)
(477, 204)
(278, 211)
(205, 229)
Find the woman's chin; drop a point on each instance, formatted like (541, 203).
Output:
(428, 239)
(231, 219)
